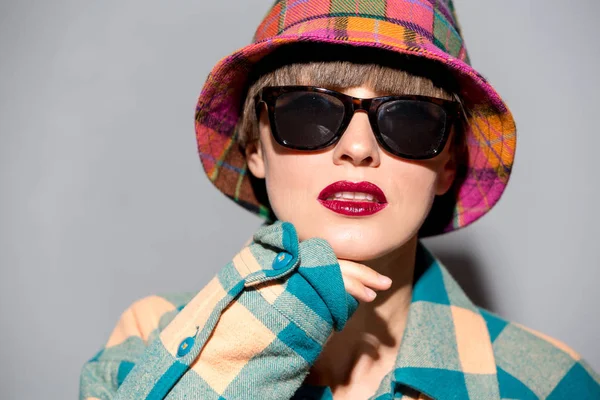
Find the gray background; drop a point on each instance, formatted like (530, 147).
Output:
(103, 200)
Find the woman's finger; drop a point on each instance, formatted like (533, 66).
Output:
(367, 276)
(359, 291)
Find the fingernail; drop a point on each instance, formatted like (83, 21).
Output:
(385, 280)
(370, 293)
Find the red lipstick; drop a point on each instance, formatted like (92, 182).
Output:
(368, 199)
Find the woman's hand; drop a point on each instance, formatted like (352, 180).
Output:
(361, 281)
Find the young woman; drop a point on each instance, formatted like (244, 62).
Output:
(354, 128)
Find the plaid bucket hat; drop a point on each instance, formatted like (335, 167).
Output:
(422, 28)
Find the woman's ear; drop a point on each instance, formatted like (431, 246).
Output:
(447, 171)
(446, 176)
(254, 159)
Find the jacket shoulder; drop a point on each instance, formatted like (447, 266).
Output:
(533, 365)
(147, 317)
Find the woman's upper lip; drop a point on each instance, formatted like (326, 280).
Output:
(347, 186)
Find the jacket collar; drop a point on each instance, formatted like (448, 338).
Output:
(446, 351)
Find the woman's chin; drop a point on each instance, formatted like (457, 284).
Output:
(363, 252)
(361, 246)
(354, 240)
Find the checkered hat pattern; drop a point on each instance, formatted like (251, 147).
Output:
(423, 28)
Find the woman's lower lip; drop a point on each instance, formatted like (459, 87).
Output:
(353, 208)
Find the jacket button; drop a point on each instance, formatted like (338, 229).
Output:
(282, 260)
(185, 346)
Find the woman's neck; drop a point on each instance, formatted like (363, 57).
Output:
(369, 342)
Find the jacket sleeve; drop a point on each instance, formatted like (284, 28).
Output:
(138, 326)
(253, 331)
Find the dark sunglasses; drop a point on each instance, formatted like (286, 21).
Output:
(312, 118)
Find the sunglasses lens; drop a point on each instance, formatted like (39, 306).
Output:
(412, 127)
(307, 120)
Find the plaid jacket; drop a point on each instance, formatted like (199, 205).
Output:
(256, 328)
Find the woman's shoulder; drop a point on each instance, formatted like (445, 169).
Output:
(532, 361)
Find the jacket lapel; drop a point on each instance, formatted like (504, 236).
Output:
(446, 351)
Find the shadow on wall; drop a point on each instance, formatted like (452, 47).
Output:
(463, 267)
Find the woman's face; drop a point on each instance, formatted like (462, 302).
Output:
(296, 179)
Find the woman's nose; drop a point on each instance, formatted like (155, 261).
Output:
(358, 145)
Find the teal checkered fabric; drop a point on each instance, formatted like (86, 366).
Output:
(255, 329)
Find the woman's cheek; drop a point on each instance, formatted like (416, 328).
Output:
(288, 191)
(418, 196)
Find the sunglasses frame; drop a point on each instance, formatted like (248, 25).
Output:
(269, 94)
